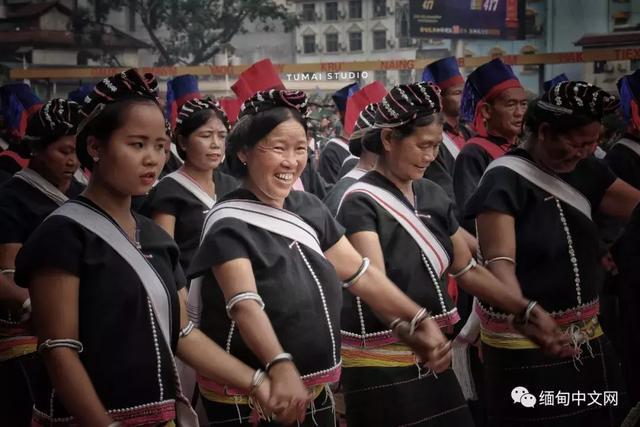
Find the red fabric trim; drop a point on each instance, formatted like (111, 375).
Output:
(635, 115)
(451, 81)
(16, 157)
(494, 150)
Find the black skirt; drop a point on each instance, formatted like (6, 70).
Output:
(549, 380)
(389, 397)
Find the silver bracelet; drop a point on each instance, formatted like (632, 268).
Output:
(282, 357)
(417, 319)
(527, 312)
(243, 296)
(8, 271)
(394, 324)
(64, 342)
(472, 264)
(116, 424)
(256, 381)
(500, 258)
(353, 279)
(187, 329)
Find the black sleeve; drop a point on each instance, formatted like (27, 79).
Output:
(313, 182)
(469, 167)
(358, 213)
(329, 164)
(57, 243)
(593, 178)
(162, 198)
(14, 228)
(228, 239)
(499, 191)
(624, 163)
(328, 229)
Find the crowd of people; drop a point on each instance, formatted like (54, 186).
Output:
(455, 255)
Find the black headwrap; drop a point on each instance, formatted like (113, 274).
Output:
(55, 119)
(405, 103)
(571, 104)
(266, 100)
(194, 105)
(364, 122)
(125, 85)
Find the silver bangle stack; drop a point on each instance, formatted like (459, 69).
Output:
(258, 378)
(282, 357)
(524, 318)
(65, 342)
(421, 315)
(353, 279)
(186, 330)
(243, 296)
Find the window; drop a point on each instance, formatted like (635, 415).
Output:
(355, 9)
(309, 43)
(355, 41)
(331, 10)
(405, 42)
(379, 8)
(308, 12)
(405, 76)
(381, 76)
(331, 41)
(379, 39)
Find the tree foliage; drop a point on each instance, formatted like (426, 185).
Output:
(192, 32)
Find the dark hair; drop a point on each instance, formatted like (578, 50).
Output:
(104, 124)
(355, 146)
(193, 123)
(535, 116)
(252, 128)
(372, 141)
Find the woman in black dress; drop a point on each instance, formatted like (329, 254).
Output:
(269, 270)
(406, 225)
(533, 210)
(26, 200)
(182, 198)
(106, 284)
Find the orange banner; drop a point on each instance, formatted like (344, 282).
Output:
(332, 67)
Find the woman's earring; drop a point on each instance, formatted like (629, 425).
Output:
(96, 159)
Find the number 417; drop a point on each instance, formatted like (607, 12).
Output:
(490, 5)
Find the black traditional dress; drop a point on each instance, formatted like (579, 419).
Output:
(22, 208)
(125, 355)
(331, 159)
(382, 384)
(557, 259)
(302, 296)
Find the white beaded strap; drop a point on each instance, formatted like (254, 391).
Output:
(187, 329)
(243, 296)
(363, 269)
(282, 357)
(500, 258)
(472, 264)
(8, 271)
(65, 342)
(421, 315)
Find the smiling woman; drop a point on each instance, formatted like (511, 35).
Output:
(268, 272)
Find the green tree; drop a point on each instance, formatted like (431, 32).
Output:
(191, 32)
